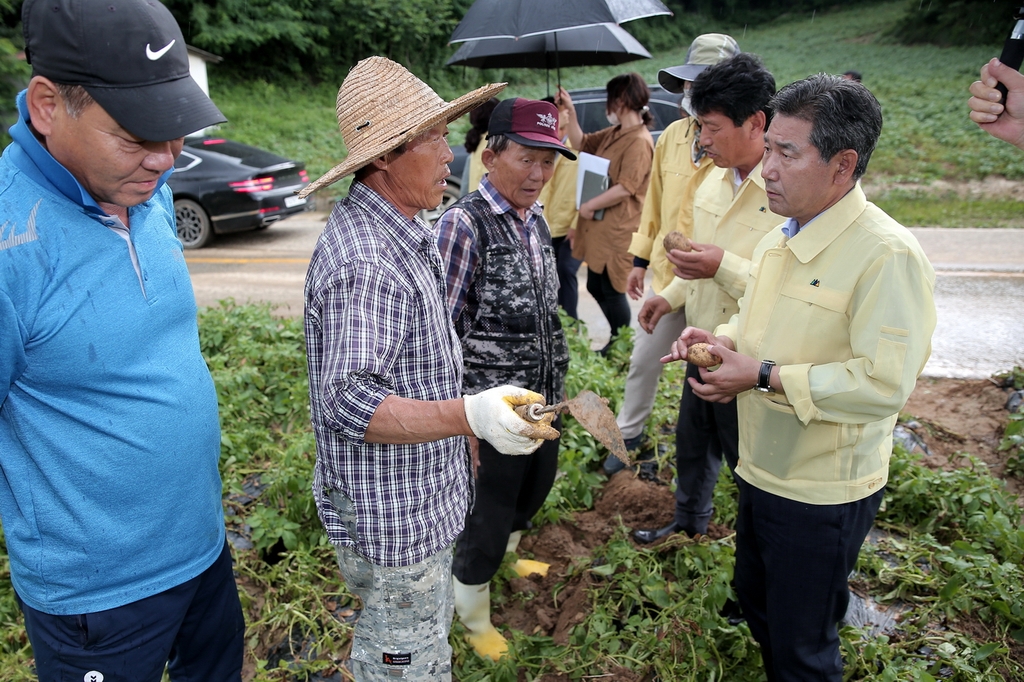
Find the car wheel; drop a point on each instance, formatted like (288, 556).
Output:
(194, 230)
(451, 195)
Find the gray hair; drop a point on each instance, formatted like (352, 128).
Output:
(498, 143)
(843, 115)
(76, 99)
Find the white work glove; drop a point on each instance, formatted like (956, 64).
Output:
(492, 417)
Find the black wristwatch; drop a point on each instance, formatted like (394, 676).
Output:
(764, 377)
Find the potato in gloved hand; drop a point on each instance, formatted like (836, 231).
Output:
(492, 417)
(543, 421)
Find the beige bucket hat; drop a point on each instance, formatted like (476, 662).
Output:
(381, 105)
(705, 50)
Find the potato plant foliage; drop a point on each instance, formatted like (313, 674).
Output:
(949, 549)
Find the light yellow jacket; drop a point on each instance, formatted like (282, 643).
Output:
(559, 197)
(735, 223)
(846, 310)
(674, 179)
(476, 167)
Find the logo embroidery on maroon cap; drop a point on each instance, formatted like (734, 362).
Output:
(547, 121)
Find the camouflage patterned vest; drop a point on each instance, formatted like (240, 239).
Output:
(509, 326)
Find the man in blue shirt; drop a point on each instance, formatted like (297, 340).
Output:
(109, 436)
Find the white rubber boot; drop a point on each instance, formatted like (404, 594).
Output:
(473, 604)
(513, 541)
(524, 567)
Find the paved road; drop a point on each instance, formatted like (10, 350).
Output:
(979, 290)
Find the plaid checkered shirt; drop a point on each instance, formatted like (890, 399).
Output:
(377, 324)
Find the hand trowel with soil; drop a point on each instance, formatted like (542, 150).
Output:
(592, 412)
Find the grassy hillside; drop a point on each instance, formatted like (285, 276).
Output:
(923, 91)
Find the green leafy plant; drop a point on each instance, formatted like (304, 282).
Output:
(1013, 444)
(948, 554)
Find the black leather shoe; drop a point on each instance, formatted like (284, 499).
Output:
(649, 535)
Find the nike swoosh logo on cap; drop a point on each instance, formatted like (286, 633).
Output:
(153, 56)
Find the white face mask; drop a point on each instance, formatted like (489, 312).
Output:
(684, 103)
(613, 118)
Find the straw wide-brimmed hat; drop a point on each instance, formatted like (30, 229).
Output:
(381, 105)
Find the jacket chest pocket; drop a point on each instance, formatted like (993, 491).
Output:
(671, 169)
(507, 288)
(752, 228)
(815, 320)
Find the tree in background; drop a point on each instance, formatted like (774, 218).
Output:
(323, 39)
(957, 22)
(14, 72)
(319, 38)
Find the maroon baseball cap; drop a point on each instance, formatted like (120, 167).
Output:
(529, 122)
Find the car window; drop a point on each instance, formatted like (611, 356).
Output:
(242, 153)
(664, 113)
(592, 116)
(186, 161)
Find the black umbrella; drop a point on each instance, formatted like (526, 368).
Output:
(521, 18)
(600, 45)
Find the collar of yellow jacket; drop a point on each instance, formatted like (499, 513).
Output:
(755, 178)
(827, 226)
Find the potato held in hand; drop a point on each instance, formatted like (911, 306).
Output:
(700, 355)
(676, 241)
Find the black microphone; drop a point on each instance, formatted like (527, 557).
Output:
(1013, 50)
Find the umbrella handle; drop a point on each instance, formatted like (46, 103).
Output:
(558, 69)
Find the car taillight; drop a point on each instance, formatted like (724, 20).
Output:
(214, 141)
(255, 185)
(269, 209)
(304, 176)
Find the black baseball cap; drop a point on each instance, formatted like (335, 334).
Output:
(129, 55)
(529, 122)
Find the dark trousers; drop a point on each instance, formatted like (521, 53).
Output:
(704, 433)
(510, 489)
(612, 303)
(792, 564)
(196, 629)
(566, 266)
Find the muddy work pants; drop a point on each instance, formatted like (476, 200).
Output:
(402, 632)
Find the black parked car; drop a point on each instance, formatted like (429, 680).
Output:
(590, 111)
(222, 186)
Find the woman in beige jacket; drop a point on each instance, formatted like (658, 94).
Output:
(627, 144)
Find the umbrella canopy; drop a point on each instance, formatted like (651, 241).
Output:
(521, 18)
(600, 45)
